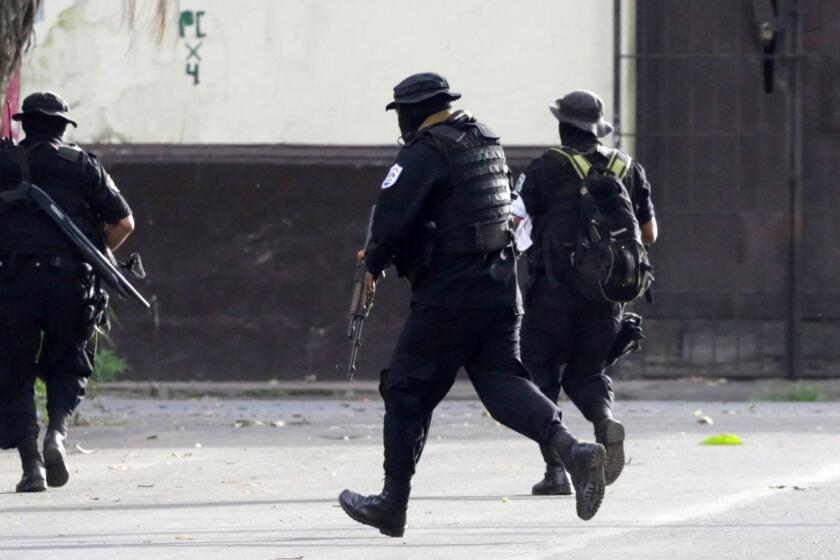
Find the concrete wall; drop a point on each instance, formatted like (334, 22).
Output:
(251, 280)
(313, 71)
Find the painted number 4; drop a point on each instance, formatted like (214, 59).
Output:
(191, 21)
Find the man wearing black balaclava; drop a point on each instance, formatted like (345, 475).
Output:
(567, 338)
(443, 219)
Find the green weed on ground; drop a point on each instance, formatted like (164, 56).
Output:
(796, 392)
(108, 366)
(41, 397)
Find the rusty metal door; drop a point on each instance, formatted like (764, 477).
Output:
(747, 266)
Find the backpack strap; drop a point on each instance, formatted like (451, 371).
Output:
(589, 208)
(619, 164)
(579, 163)
(23, 163)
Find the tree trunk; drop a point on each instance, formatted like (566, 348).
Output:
(16, 20)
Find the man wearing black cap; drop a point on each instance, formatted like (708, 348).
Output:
(442, 218)
(563, 329)
(45, 288)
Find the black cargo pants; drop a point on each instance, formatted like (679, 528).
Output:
(434, 344)
(564, 330)
(42, 333)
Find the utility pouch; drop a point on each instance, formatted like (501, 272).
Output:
(492, 235)
(95, 312)
(482, 237)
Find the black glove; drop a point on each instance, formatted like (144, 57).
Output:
(629, 338)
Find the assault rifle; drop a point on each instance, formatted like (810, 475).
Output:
(104, 266)
(360, 307)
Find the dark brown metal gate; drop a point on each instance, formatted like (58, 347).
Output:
(739, 291)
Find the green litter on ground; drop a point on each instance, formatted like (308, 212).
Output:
(723, 439)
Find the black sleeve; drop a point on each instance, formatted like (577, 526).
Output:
(642, 201)
(104, 197)
(405, 190)
(529, 186)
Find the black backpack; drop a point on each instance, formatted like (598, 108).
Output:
(609, 262)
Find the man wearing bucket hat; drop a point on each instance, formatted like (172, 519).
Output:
(566, 337)
(45, 103)
(442, 218)
(45, 288)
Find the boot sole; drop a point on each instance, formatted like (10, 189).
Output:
(613, 441)
(57, 474)
(563, 490)
(352, 514)
(37, 487)
(590, 493)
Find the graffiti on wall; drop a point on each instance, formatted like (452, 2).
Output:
(191, 31)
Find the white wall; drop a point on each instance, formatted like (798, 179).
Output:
(316, 71)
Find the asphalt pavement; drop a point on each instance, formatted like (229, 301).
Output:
(258, 479)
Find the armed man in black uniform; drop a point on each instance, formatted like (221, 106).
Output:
(561, 326)
(47, 293)
(443, 219)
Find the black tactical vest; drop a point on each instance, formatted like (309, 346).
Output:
(60, 170)
(473, 215)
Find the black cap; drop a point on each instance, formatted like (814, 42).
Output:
(582, 109)
(46, 103)
(418, 87)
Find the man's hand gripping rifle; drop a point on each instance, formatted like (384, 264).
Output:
(360, 306)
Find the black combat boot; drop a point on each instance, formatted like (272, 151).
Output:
(585, 463)
(556, 480)
(385, 511)
(55, 454)
(610, 433)
(34, 478)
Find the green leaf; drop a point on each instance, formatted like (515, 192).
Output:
(723, 439)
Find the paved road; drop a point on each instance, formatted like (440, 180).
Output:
(178, 479)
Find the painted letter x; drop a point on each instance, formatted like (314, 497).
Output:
(193, 51)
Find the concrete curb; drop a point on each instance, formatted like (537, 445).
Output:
(691, 389)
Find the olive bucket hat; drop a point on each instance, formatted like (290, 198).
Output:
(46, 103)
(582, 109)
(418, 87)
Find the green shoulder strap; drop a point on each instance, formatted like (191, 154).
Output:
(619, 164)
(579, 163)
